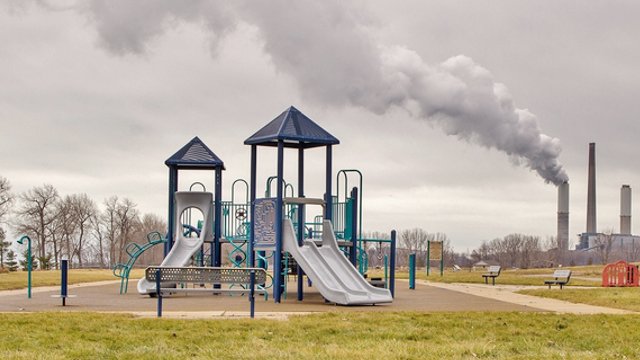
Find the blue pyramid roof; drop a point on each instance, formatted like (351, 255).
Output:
(295, 129)
(195, 155)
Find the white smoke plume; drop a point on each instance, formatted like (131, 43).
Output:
(329, 48)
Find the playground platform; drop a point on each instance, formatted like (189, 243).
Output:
(427, 297)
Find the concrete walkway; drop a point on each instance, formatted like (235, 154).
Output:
(508, 294)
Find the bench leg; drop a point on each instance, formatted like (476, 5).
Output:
(494, 281)
(560, 286)
(486, 280)
(252, 299)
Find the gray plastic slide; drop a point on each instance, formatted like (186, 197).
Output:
(184, 247)
(331, 273)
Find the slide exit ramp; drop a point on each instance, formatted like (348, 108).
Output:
(330, 271)
(184, 247)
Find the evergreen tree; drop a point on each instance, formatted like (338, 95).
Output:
(45, 262)
(24, 264)
(11, 262)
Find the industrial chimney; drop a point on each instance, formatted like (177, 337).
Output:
(563, 216)
(625, 210)
(591, 191)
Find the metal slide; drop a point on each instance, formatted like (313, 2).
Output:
(184, 247)
(330, 271)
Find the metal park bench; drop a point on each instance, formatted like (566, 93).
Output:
(560, 277)
(493, 272)
(164, 277)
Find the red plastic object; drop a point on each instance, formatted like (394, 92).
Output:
(620, 274)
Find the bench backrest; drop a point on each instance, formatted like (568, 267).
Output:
(213, 275)
(494, 269)
(562, 274)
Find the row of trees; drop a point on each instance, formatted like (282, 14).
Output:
(515, 250)
(74, 225)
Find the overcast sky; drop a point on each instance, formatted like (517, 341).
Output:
(454, 111)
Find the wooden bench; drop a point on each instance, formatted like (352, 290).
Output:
(164, 277)
(560, 277)
(493, 272)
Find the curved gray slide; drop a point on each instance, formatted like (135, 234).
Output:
(331, 273)
(184, 247)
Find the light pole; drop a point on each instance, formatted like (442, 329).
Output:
(21, 241)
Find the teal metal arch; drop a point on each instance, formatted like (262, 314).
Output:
(134, 251)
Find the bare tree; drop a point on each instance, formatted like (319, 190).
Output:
(6, 198)
(529, 251)
(98, 231)
(414, 240)
(82, 209)
(603, 244)
(109, 221)
(62, 230)
(119, 221)
(151, 223)
(36, 213)
(128, 219)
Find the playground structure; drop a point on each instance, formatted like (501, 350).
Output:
(620, 274)
(330, 250)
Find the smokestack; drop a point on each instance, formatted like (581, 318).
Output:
(591, 191)
(625, 210)
(563, 216)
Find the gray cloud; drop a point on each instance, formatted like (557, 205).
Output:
(329, 50)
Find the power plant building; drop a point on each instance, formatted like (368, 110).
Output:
(592, 239)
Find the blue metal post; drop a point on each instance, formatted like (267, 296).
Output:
(158, 292)
(252, 196)
(252, 286)
(354, 227)
(329, 199)
(412, 271)
(277, 258)
(301, 218)
(428, 256)
(218, 218)
(173, 187)
(64, 264)
(392, 264)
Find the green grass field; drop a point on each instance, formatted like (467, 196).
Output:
(325, 336)
(18, 279)
(619, 298)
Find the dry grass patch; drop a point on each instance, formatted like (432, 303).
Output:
(18, 279)
(323, 336)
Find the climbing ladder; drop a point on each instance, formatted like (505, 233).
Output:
(134, 251)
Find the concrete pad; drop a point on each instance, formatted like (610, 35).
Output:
(104, 297)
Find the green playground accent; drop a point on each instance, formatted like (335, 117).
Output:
(134, 250)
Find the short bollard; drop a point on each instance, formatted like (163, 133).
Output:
(158, 292)
(64, 266)
(412, 271)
